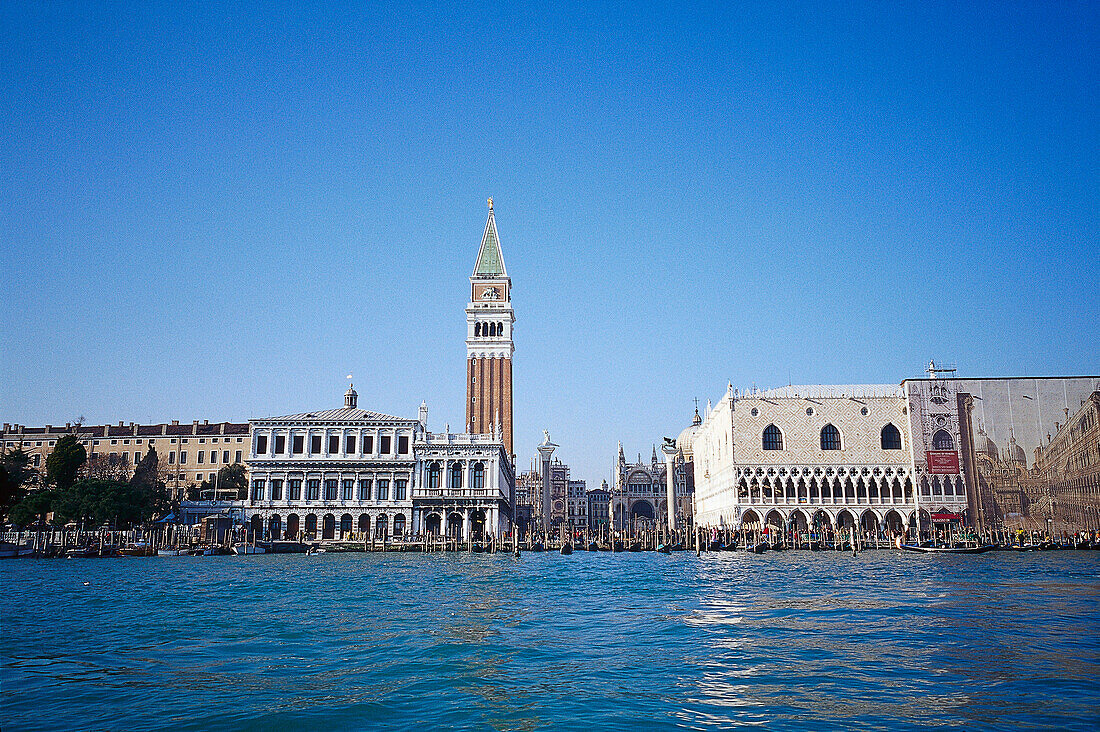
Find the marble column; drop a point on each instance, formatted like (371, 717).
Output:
(670, 451)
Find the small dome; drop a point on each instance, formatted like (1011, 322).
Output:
(1015, 452)
(687, 437)
(350, 397)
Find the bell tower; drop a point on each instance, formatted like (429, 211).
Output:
(489, 345)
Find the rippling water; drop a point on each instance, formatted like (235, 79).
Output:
(356, 641)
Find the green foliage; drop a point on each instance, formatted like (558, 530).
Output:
(145, 473)
(233, 476)
(17, 463)
(33, 508)
(65, 461)
(96, 501)
(15, 470)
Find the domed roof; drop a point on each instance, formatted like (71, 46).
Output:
(1015, 452)
(986, 445)
(687, 438)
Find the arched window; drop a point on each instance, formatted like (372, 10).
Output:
(492, 329)
(479, 476)
(456, 476)
(830, 438)
(942, 441)
(891, 438)
(500, 329)
(477, 330)
(433, 475)
(773, 438)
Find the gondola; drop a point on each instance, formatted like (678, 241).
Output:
(758, 548)
(566, 549)
(949, 549)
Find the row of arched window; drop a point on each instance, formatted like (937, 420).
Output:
(435, 476)
(488, 329)
(830, 438)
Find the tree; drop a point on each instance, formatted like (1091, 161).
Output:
(105, 502)
(111, 466)
(65, 461)
(15, 471)
(32, 508)
(18, 464)
(150, 487)
(234, 477)
(146, 472)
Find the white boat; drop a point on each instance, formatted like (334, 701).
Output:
(247, 549)
(171, 552)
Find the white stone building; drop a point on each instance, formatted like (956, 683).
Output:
(352, 473)
(806, 456)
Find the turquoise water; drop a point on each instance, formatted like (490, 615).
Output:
(781, 641)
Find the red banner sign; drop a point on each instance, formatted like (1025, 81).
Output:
(947, 517)
(943, 462)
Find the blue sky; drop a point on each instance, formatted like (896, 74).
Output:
(220, 212)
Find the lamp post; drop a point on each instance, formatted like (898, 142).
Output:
(546, 449)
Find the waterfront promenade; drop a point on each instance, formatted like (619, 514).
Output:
(791, 640)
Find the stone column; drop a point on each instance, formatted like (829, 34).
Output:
(670, 452)
(546, 449)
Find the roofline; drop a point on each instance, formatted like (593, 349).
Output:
(998, 378)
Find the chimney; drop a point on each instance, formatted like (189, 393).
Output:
(221, 428)
(164, 429)
(121, 424)
(175, 423)
(49, 428)
(205, 422)
(7, 427)
(68, 425)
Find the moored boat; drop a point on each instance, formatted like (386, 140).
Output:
(949, 549)
(566, 549)
(238, 549)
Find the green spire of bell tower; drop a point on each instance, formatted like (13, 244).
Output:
(490, 261)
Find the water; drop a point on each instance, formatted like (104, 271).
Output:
(614, 642)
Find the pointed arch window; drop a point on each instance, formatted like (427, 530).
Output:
(891, 438)
(942, 441)
(830, 438)
(773, 438)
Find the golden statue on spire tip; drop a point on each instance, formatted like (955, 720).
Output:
(490, 203)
